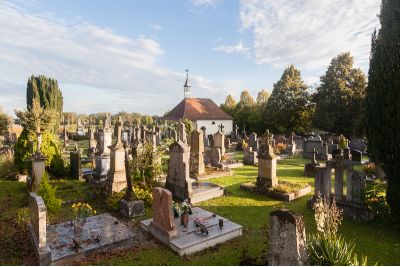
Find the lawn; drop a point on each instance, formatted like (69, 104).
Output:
(380, 242)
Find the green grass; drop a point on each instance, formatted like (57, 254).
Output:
(380, 242)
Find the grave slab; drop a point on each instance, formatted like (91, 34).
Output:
(100, 233)
(189, 240)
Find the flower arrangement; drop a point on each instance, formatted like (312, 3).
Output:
(179, 209)
(82, 210)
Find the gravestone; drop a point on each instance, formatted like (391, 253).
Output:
(287, 239)
(356, 186)
(219, 141)
(339, 177)
(210, 140)
(163, 224)
(117, 173)
(253, 142)
(356, 155)
(37, 228)
(322, 181)
(346, 153)
(75, 169)
(250, 156)
(178, 180)
(197, 166)
(314, 142)
(182, 132)
(358, 144)
(266, 167)
(92, 140)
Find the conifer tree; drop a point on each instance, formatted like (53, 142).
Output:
(382, 101)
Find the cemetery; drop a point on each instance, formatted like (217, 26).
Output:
(302, 175)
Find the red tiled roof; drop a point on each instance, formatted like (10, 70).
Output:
(197, 109)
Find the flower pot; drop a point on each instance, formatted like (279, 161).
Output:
(185, 219)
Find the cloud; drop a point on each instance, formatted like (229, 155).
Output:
(205, 3)
(156, 27)
(237, 49)
(97, 69)
(309, 33)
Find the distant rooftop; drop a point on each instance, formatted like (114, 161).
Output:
(197, 109)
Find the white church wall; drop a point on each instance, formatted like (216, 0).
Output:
(212, 126)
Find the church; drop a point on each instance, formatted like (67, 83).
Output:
(203, 112)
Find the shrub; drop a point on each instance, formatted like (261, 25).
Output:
(7, 167)
(50, 148)
(23, 217)
(112, 201)
(48, 193)
(143, 194)
(375, 194)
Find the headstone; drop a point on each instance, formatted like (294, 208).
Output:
(356, 186)
(250, 156)
(219, 141)
(163, 220)
(253, 142)
(322, 181)
(182, 132)
(358, 144)
(356, 155)
(197, 166)
(117, 173)
(37, 229)
(287, 239)
(339, 177)
(75, 169)
(178, 180)
(38, 165)
(346, 153)
(92, 140)
(210, 140)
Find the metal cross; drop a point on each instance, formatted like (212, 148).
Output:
(221, 127)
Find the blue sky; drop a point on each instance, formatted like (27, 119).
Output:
(131, 55)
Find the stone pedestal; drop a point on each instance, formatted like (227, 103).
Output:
(197, 166)
(219, 142)
(287, 239)
(75, 165)
(117, 174)
(339, 183)
(131, 209)
(267, 173)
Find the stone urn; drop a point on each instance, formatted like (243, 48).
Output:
(78, 227)
(185, 219)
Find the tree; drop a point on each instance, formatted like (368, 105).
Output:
(340, 98)
(5, 121)
(246, 100)
(46, 90)
(262, 97)
(288, 108)
(382, 100)
(229, 106)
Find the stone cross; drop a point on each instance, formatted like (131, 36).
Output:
(221, 127)
(287, 239)
(118, 128)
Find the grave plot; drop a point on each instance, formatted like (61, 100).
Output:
(267, 181)
(62, 243)
(202, 229)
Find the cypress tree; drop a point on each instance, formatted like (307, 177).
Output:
(46, 90)
(382, 100)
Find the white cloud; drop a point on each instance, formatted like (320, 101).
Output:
(239, 48)
(206, 3)
(309, 33)
(156, 27)
(97, 69)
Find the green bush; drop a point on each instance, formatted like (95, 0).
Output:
(143, 194)
(23, 152)
(112, 201)
(48, 193)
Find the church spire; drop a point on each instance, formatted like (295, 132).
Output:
(186, 86)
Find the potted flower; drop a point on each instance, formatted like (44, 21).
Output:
(81, 211)
(186, 210)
